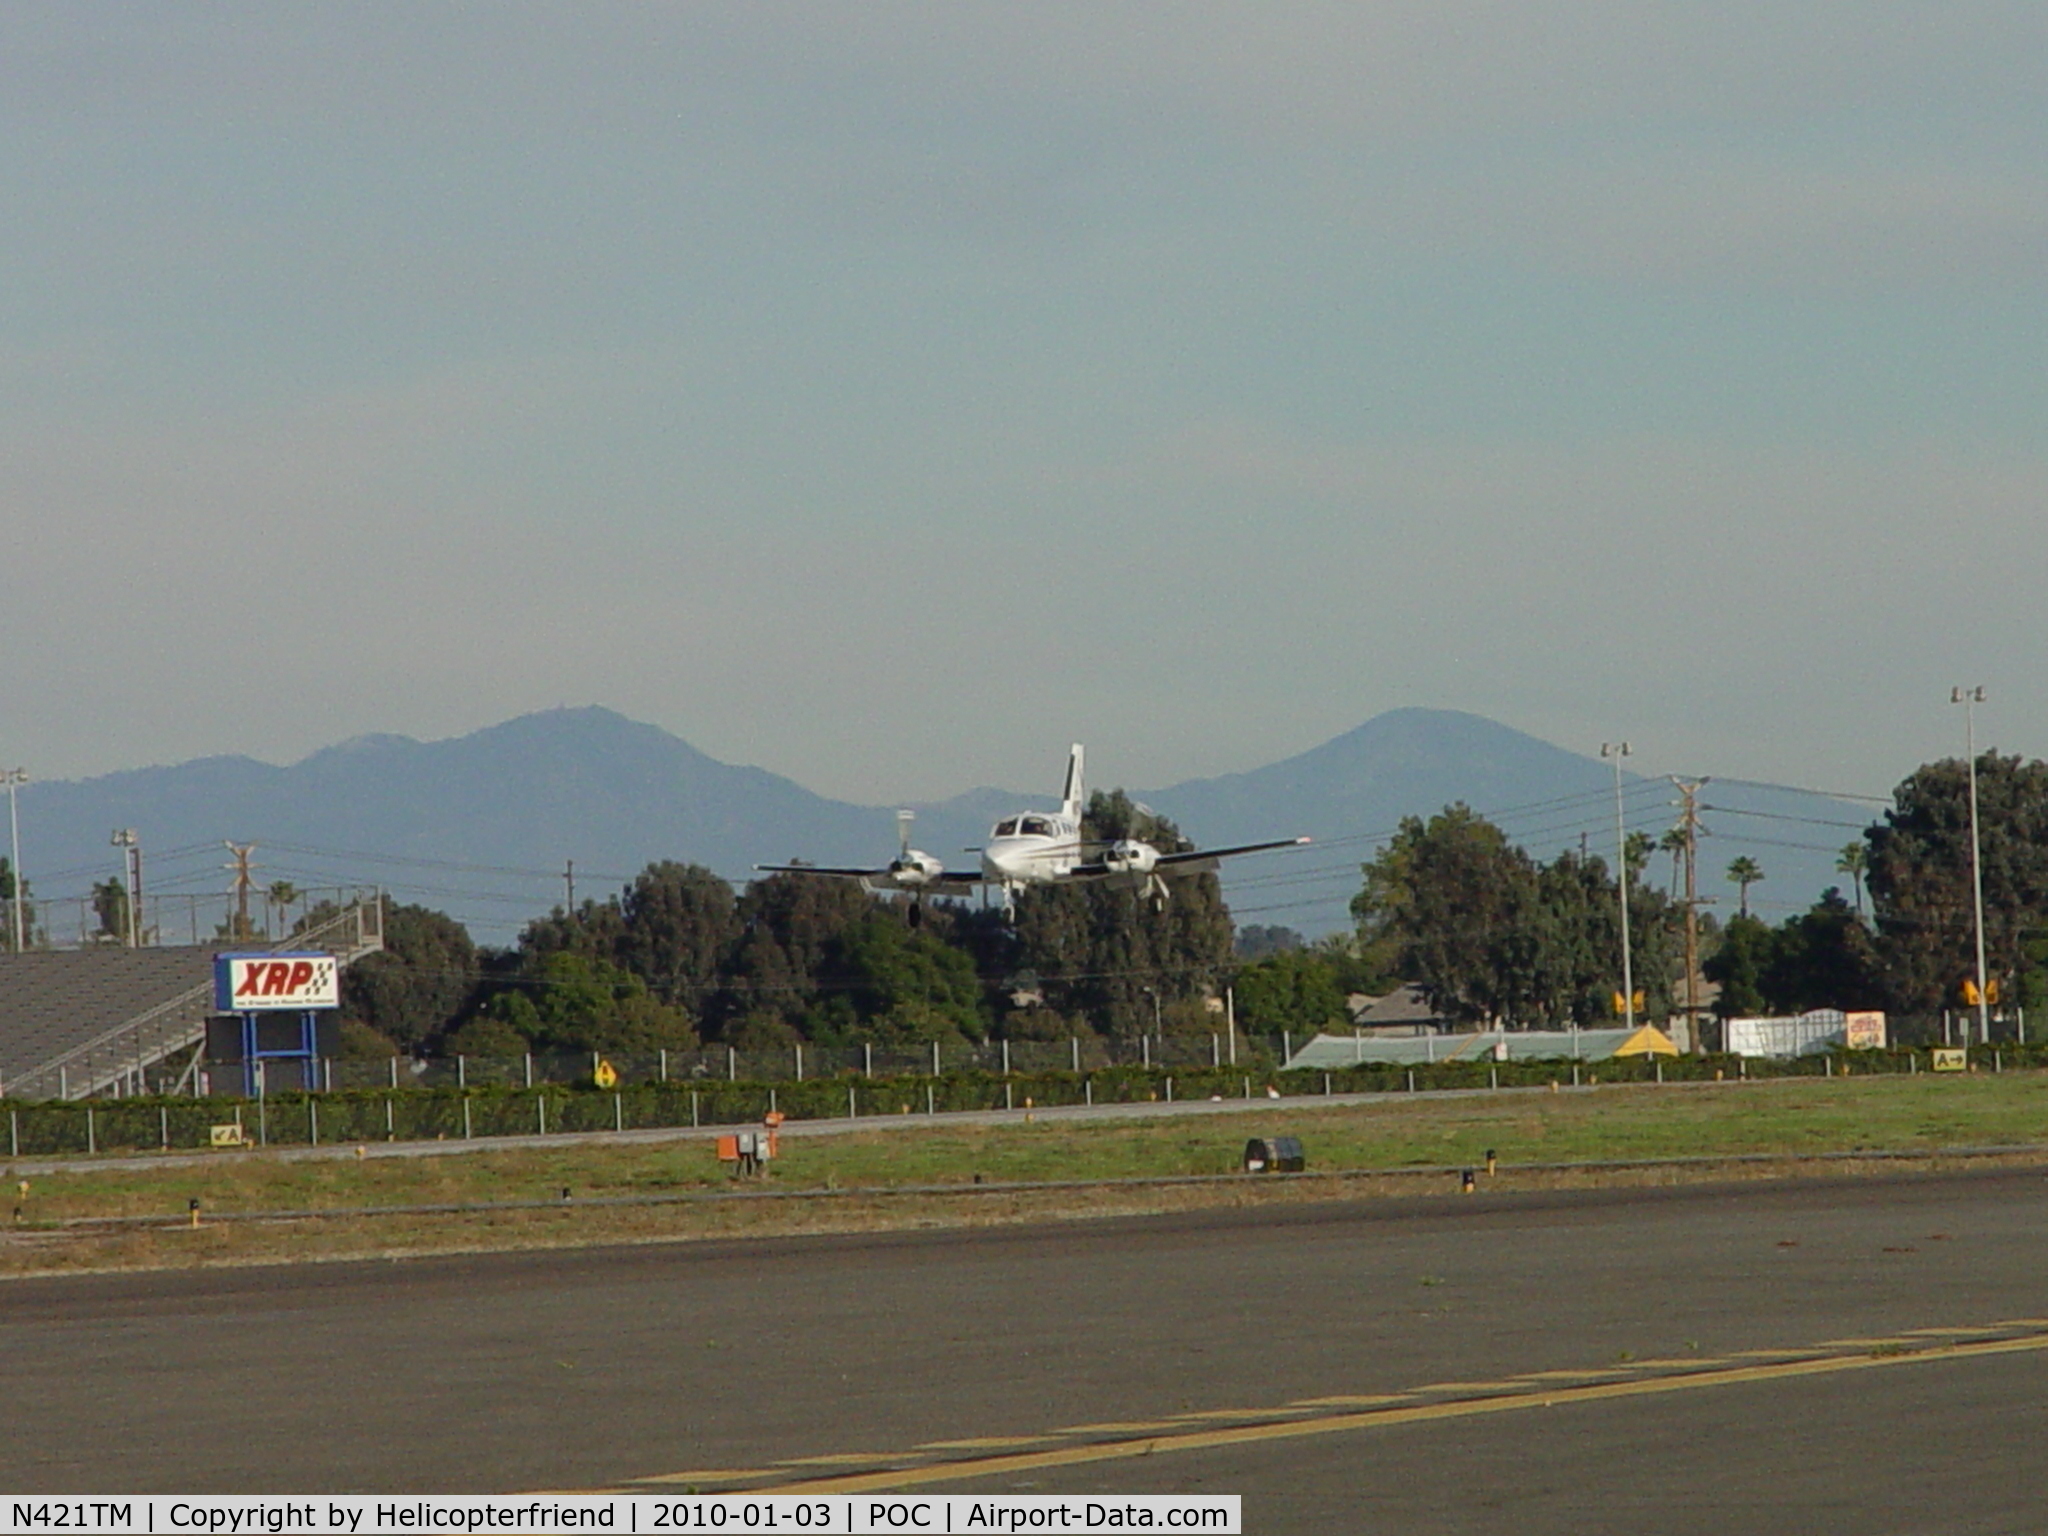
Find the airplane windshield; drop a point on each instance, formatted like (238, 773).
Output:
(1006, 829)
(1036, 826)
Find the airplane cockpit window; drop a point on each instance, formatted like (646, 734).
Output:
(1037, 826)
(1006, 828)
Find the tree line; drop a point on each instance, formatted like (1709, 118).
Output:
(1487, 933)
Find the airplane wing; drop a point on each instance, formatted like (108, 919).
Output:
(1201, 860)
(952, 882)
(1198, 861)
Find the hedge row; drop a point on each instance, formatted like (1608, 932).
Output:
(46, 1128)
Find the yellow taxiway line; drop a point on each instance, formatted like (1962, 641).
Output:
(1380, 1418)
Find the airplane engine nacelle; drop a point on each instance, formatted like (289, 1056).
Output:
(1130, 857)
(915, 870)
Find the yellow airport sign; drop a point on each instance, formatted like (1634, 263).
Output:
(607, 1075)
(1951, 1059)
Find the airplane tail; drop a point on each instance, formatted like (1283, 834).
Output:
(1073, 798)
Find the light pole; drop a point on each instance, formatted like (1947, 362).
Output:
(1617, 751)
(1158, 1029)
(1970, 698)
(14, 778)
(125, 838)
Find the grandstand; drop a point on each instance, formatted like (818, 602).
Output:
(109, 1019)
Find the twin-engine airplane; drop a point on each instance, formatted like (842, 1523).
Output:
(1034, 848)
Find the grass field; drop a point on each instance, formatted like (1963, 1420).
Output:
(1805, 1117)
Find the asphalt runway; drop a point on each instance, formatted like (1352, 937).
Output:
(1866, 1354)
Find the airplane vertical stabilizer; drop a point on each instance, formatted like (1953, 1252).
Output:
(1073, 797)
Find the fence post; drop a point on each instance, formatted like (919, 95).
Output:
(163, 1123)
(14, 1133)
(1009, 1095)
(771, 1101)
(1326, 1085)
(935, 1058)
(529, 1068)
(1145, 1051)
(851, 1112)
(693, 1109)
(618, 1111)
(540, 1104)
(1660, 1069)
(799, 1061)
(867, 1058)
(390, 1118)
(312, 1121)
(1169, 1090)
(1075, 1042)
(931, 1105)
(394, 1071)
(1089, 1086)
(1215, 1050)
(1006, 1058)
(462, 1072)
(664, 1064)
(92, 1141)
(468, 1131)
(1411, 1079)
(732, 1065)
(1286, 1046)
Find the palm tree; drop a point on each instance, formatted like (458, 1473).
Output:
(283, 895)
(1745, 872)
(1855, 863)
(1673, 843)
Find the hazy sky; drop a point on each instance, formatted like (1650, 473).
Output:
(889, 394)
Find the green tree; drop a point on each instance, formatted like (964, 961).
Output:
(1098, 945)
(1738, 964)
(283, 896)
(1855, 863)
(9, 894)
(1294, 990)
(1920, 888)
(1673, 843)
(570, 1002)
(908, 985)
(1745, 872)
(110, 905)
(1457, 898)
(420, 984)
(1823, 958)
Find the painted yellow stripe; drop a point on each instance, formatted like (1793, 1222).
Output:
(1248, 1434)
(985, 1443)
(1614, 1370)
(1136, 1427)
(1351, 1402)
(1227, 1415)
(1466, 1386)
(839, 1459)
(714, 1475)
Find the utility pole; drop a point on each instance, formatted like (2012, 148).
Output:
(1970, 698)
(131, 876)
(1689, 823)
(569, 879)
(240, 870)
(1628, 976)
(14, 778)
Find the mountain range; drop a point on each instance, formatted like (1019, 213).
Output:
(485, 826)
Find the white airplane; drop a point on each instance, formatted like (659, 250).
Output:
(1034, 848)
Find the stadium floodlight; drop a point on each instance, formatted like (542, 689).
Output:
(14, 778)
(1617, 751)
(1970, 698)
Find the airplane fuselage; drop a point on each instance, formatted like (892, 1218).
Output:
(1032, 848)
